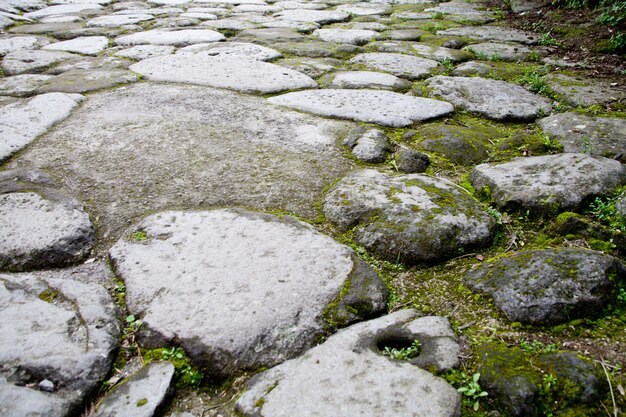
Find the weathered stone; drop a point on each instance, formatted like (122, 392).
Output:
(579, 133)
(319, 16)
(347, 375)
(545, 184)
(500, 51)
(371, 146)
(519, 6)
(199, 16)
(441, 54)
(312, 49)
(22, 122)
(411, 161)
(58, 325)
(88, 45)
(493, 33)
(141, 394)
(170, 37)
(494, 99)
(234, 268)
(236, 49)
(503, 70)
(22, 85)
(364, 9)
(17, 43)
(271, 36)
(303, 27)
(461, 145)
(232, 72)
(365, 79)
(411, 218)
(405, 66)
(84, 63)
(228, 24)
(585, 92)
(119, 19)
(310, 66)
(372, 106)
(550, 286)
(62, 10)
(83, 81)
(405, 34)
(19, 62)
(351, 36)
(45, 28)
(140, 52)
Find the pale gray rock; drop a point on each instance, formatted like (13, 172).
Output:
(395, 47)
(86, 45)
(45, 28)
(372, 106)
(495, 99)
(365, 79)
(412, 15)
(290, 5)
(26, 5)
(199, 16)
(584, 91)
(411, 218)
(141, 394)
(500, 51)
(303, 27)
(439, 53)
(322, 17)
(405, 66)
(405, 34)
(493, 33)
(256, 8)
(234, 49)
(348, 376)
(545, 184)
(22, 85)
(101, 153)
(411, 161)
(372, 146)
(313, 67)
(240, 290)
(59, 325)
(46, 385)
(579, 133)
(83, 81)
(463, 12)
(99, 63)
(119, 20)
(61, 19)
(140, 52)
(232, 72)
(170, 37)
(350, 36)
(228, 24)
(488, 69)
(519, 6)
(62, 10)
(459, 144)
(5, 22)
(271, 35)
(364, 9)
(17, 43)
(22, 122)
(19, 62)
(551, 286)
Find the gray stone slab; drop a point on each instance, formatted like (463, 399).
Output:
(16, 401)
(140, 52)
(17, 43)
(579, 133)
(371, 147)
(238, 289)
(119, 20)
(365, 79)
(313, 67)
(232, 72)
(584, 91)
(83, 81)
(170, 37)
(439, 53)
(500, 51)
(412, 218)
(59, 325)
(364, 9)
(405, 66)
(351, 36)
(234, 49)
(519, 6)
(493, 33)
(22, 122)
(86, 45)
(45, 28)
(371, 106)
(303, 27)
(271, 36)
(322, 17)
(545, 184)
(141, 394)
(495, 99)
(199, 15)
(23, 85)
(228, 24)
(348, 376)
(62, 10)
(19, 62)
(89, 63)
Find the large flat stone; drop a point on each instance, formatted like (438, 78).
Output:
(348, 376)
(584, 91)
(236, 49)
(119, 20)
(181, 37)
(232, 72)
(493, 33)
(494, 99)
(365, 79)
(62, 10)
(364, 9)
(271, 158)
(238, 289)
(22, 85)
(22, 122)
(372, 106)
(19, 62)
(140, 52)
(86, 45)
(406, 66)
(17, 43)
(83, 81)
(545, 184)
(351, 36)
(319, 16)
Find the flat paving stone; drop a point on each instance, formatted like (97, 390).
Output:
(17, 43)
(348, 376)
(83, 81)
(232, 72)
(302, 27)
(199, 16)
(494, 99)
(19, 62)
(45, 28)
(365, 79)
(22, 122)
(170, 37)
(545, 184)
(493, 33)
(500, 51)
(322, 17)
(62, 10)
(87, 45)
(228, 24)
(119, 20)
(371, 106)
(585, 92)
(140, 52)
(440, 54)
(271, 36)
(405, 66)
(351, 36)
(364, 9)
(23, 85)
(313, 67)
(238, 289)
(234, 49)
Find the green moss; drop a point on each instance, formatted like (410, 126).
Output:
(142, 402)
(48, 296)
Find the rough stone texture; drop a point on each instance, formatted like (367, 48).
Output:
(506, 70)
(241, 290)
(228, 24)
(311, 66)
(441, 54)
(119, 20)
(236, 49)
(19, 62)
(365, 79)
(370, 146)
(141, 394)
(512, 52)
(272, 158)
(411, 161)
(579, 133)
(585, 92)
(461, 145)
(383, 107)
(232, 72)
(406, 66)
(411, 218)
(17, 43)
(351, 36)
(364, 9)
(493, 33)
(545, 184)
(319, 16)
(63, 9)
(494, 99)
(551, 286)
(270, 36)
(82, 81)
(140, 52)
(170, 37)
(22, 122)
(519, 6)
(57, 325)
(87, 45)
(22, 85)
(348, 376)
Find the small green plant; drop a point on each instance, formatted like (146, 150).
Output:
(132, 323)
(548, 40)
(549, 381)
(473, 391)
(618, 42)
(603, 209)
(493, 212)
(437, 15)
(586, 144)
(536, 346)
(173, 353)
(534, 56)
(621, 297)
(403, 354)
(139, 236)
(614, 14)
